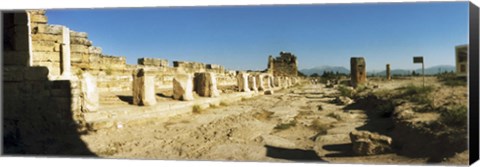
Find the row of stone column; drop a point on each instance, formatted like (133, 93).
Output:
(203, 83)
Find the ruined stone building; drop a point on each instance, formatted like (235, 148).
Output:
(55, 81)
(461, 60)
(285, 65)
(358, 71)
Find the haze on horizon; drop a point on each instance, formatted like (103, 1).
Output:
(242, 37)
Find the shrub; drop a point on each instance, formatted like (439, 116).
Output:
(345, 91)
(418, 94)
(319, 127)
(197, 109)
(284, 126)
(454, 116)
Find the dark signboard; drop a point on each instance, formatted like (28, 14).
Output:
(418, 59)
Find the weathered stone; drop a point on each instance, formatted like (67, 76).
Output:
(367, 143)
(343, 100)
(43, 46)
(268, 92)
(143, 88)
(38, 18)
(285, 65)
(252, 83)
(66, 51)
(358, 71)
(152, 62)
(75, 48)
(269, 82)
(183, 87)
(20, 58)
(50, 29)
(46, 37)
(259, 81)
(206, 84)
(75, 34)
(389, 77)
(94, 50)
(242, 82)
(81, 41)
(89, 93)
(36, 73)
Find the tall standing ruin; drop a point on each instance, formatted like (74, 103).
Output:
(285, 65)
(389, 75)
(358, 71)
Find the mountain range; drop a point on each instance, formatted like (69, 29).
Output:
(428, 71)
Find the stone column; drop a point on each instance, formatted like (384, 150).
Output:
(358, 71)
(143, 88)
(389, 77)
(90, 96)
(183, 87)
(252, 83)
(242, 82)
(205, 84)
(66, 64)
(260, 83)
(271, 81)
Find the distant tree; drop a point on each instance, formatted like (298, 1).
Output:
(414, 73)
(301, 74)
(314, 75)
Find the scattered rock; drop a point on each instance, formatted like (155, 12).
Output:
(367, 143)
(343, 100)
(268, 92)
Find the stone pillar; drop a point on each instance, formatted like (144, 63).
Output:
(90, 97)
(358, 71)
(252, 83)
(271, 81)
(205, 84)
(277, 81)
(242, 82)
(66, 64)
(143, 88)
(260, 84)
(389, 77)
(183, 87)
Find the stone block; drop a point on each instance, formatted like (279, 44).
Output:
(74, 34)
(75, 48)
(367, 143)
(242, 82)
(43, 46)
(259, 78)
(13, 73)
(205, 84)
(89, 93)
(94, 50)
(252, 83)
(358, 71)
(50, 29)
(46, 37)
(152, 62)
(36, 73)
(20, 58)
(143, 88)
(183, 87)
(80, 41)
(38, 19)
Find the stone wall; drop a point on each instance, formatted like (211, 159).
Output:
(39, 115)
(285, 65)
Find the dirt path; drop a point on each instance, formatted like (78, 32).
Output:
(298, 124)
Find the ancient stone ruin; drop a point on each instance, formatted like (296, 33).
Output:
(389, 75)
(285, 65)
(59, 84)
(358, 71)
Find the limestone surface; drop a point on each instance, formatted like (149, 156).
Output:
(252, 83)
(143, 88)
(89, 92)
(183, 87)
(242, 82)
(367, 143)
(206, 84)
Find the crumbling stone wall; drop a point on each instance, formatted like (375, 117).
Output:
(39, 115)
(285, 65)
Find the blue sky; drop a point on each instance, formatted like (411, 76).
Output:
(242, 37)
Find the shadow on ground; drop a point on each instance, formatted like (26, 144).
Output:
(292, 154)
